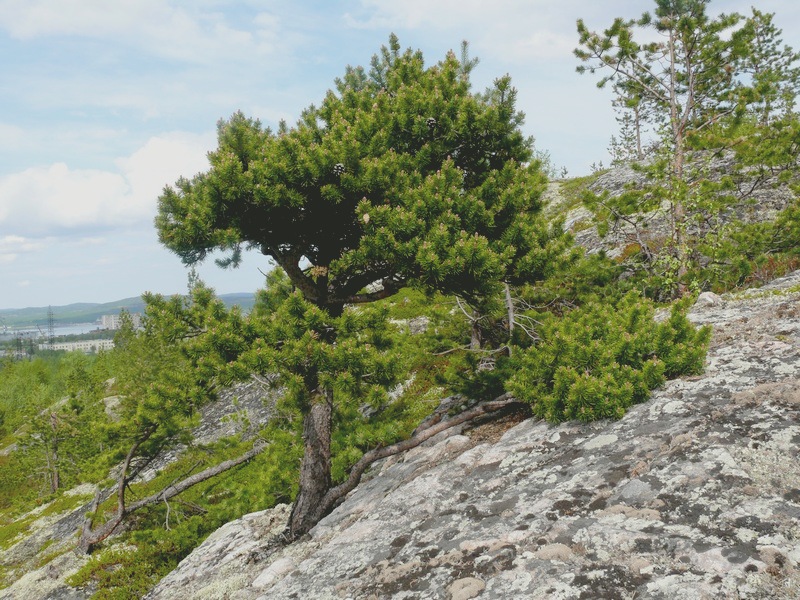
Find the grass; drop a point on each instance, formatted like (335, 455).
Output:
(12, 530)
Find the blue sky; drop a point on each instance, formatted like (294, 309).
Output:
(103, 103)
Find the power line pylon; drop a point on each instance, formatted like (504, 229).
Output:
(51, 327)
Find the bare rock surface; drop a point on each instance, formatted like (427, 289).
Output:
(692, 495)
(242, 408)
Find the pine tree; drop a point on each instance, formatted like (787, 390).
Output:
(402, 175)
(160, 394)
(772, 67)
(701, 82)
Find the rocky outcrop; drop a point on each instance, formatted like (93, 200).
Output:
(47, 531)
(241, 409)
(694, 494)
(760, 197)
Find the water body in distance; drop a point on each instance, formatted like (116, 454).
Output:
(58, 330)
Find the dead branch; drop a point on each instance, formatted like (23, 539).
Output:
(90, 538)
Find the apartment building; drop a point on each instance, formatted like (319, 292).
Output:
(115, 321)
(87, 346)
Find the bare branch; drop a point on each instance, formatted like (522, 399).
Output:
(456, 349)
(90, 538)
(501, 403)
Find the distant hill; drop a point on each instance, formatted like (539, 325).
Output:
(87, 312)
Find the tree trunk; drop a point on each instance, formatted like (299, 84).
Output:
(304, 518)
(52, 455)
(678, 124)
(510, 310)
(637, 123)
(491, 409)
(475, 339)
(315, 470)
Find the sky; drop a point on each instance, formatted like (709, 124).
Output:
(104, 103)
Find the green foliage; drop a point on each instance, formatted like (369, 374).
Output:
(163, 535)
(27, 386)
(401, 174)
(752, 254)
(598, 360)
(118, 573)
(715, 87)
(585, 277)
(12, 528)
(771, 67)
(576, 279)
(694, 75)
(159, 393)
(52, 409)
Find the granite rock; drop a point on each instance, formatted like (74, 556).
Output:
(694, 494)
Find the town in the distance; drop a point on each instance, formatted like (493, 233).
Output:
(83, 327)
(24, 341)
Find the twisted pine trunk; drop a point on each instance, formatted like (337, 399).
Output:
(315, 470)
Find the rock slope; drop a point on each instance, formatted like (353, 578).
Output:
(760, 199)
(692, 495)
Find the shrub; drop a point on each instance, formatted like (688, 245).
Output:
(598, 360)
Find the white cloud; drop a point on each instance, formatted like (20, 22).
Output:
(409, 14)
(534, 33)
(24, 283)
(42, 197)
(161, 161)
(89, 241)
(159, 27)
(12, 135)
(12, 246)
(56, 199)
(18, 243)
(532, 30)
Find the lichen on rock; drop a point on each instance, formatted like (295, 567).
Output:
(694, 494)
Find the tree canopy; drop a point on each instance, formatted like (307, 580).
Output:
(402, 174)
(711, 86)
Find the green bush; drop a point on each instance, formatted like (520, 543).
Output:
(598, 360)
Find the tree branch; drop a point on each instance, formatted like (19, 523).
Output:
(176, 488)
(390, 287)
(91, 538)
(422, 434)
(290, 264)
(368, 297)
